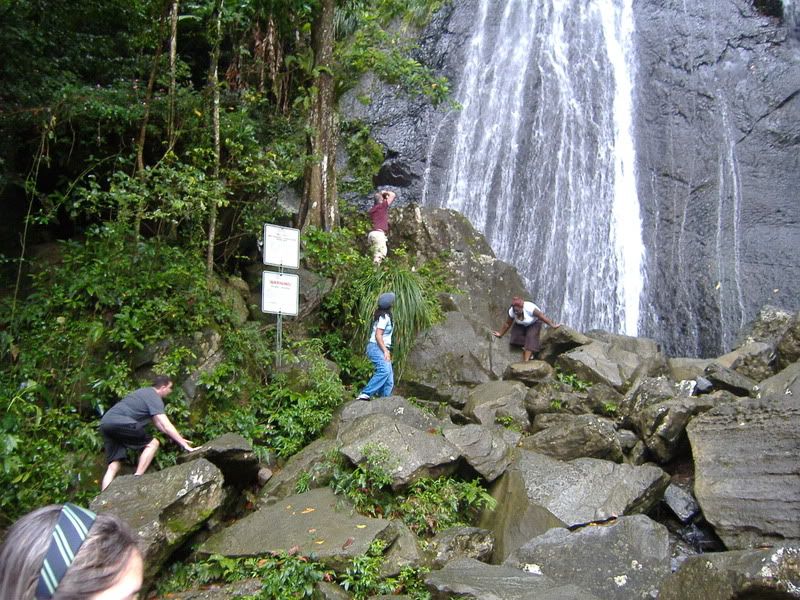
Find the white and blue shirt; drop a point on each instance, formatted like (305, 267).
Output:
(383, 322)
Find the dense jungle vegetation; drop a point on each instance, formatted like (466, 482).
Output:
(143, 144)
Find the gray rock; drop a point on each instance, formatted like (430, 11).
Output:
(556, 397)
(626, 559)
(404, 552)
(309, 464)
(460, 542)
(566, 437)
(316, 522)
(538, 492)
(785, 383)
(769, 573)
(558, 341)
(687, 368)
(482, 447)
(469, 578)
(232, 454)
(165, 507)
(728, 379)
(681, 502)
(240, 589)
(529, 373)
(662, 426)
(412, 454)
(325, 590)
(756, 360)
(495, 400)
(611, 363)
(746, 478)
(397, 407)
(788, 347)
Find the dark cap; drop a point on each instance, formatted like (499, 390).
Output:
(386, 300)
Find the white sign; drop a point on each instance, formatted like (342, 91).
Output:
(281, 246)
(279, 293)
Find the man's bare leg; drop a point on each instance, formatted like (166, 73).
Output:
(526, 355)
(111, 472)
(147, 456)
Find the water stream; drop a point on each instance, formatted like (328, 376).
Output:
(541, 156)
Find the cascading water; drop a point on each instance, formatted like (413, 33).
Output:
(540, 157)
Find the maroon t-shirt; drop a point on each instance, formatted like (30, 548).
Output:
(379, 214)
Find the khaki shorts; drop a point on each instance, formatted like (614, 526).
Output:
(377, 241)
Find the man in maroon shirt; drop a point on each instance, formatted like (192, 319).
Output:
(379, 214)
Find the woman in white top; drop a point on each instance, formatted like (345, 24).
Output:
(526, 319)
(379, 350)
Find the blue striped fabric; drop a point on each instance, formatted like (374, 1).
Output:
(71, 529)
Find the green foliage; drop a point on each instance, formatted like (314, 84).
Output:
(556, 404)
(362, 578)
(367, 484)
(508, 422)
(371, 47)
(572, 380)
(427, 506)
(364, 158)
(432, 505)
(282, 575)
(415, 308)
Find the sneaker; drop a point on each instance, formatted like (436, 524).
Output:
(362, 397)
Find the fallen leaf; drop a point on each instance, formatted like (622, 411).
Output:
(308, 510)
(293, 550)
(361, 526)
(348, 543)
(318, 542)
(312, 530)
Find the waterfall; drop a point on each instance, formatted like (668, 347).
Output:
(541, 157)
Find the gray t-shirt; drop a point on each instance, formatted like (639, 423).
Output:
(137, 407)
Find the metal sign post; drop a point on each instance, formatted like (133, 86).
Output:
(280, 291)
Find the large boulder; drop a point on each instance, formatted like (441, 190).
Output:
(746, 477)
(496, 401)
(788, 348)
(410, 453)
(396, 407)
(451, 358)
(232, 454)
(317, 522)
(771, 573)
(308, 467)
(165, 507)
(785, 383)
(483, 448)
(469, 578)
(626, 559)
(614, 360)
(460, 542)
(662, 426)
(538, 492)
(566, 436)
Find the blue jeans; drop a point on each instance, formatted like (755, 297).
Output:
(382, 381)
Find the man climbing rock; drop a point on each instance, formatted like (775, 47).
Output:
(525, 320)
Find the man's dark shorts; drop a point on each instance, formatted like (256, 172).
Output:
(527, 337)
(118, 437)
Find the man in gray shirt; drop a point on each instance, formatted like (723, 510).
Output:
(124, 425)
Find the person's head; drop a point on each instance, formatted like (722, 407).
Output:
(386, 300)
(163, 385)
(517, 304)
(105, 562)
(379, 197)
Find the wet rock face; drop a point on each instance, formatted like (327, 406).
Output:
(717, 136)
(717, 139)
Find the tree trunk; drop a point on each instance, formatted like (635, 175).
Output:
(173, 53)
(213, 82)
(319, 205)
